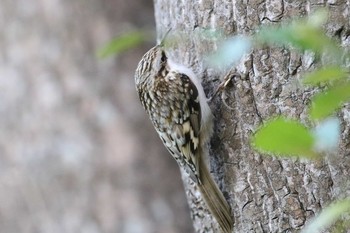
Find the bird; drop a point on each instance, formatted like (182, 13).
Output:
(174, 99)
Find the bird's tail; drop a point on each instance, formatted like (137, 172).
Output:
(214, 199)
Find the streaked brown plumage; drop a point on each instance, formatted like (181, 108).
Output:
(176, 104)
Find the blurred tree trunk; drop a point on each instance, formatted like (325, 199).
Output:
(266, 194)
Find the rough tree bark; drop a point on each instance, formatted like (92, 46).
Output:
(266, 194)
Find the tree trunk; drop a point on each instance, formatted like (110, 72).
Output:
(266, 194)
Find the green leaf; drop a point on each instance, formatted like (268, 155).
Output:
(325, 103)
(328, 216)
(306, 34)
(325, 74)
(284, 137)
(122, 43)
(269, 35)
(300, 35)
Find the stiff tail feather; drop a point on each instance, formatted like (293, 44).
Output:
(214, 199)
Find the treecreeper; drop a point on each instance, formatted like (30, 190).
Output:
(174, 99)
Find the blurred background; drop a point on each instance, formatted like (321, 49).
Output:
(77, 152)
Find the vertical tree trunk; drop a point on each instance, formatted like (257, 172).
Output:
(266, 194)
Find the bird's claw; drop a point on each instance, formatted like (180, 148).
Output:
(221, 87)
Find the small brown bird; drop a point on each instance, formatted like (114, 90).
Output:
(174, 99)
